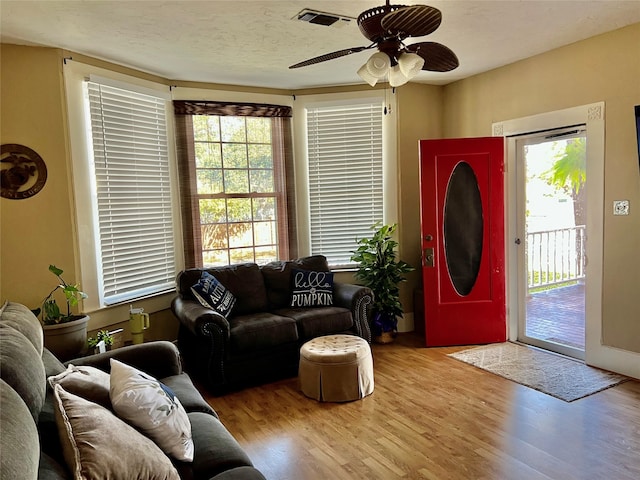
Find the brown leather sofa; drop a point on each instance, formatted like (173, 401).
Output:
(260, 339)
(30, 445)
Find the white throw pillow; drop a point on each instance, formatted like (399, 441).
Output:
(151, 406)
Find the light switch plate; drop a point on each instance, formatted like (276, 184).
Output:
(621, 207)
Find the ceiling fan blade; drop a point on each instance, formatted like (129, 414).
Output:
(412, 21)
(329, 56)
(437, 57)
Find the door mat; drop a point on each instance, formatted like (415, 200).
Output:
(561, 377)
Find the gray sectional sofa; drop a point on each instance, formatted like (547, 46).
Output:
(30, 445)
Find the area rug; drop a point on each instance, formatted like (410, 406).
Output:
(561, 377)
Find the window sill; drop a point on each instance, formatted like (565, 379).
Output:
(113, 314)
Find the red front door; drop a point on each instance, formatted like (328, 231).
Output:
(462, 208)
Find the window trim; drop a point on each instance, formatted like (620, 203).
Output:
(301, 160)
(75, 74)
(282, 151)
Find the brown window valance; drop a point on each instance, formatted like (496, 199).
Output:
(190, 107)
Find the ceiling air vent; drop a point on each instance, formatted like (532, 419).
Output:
(323, 18)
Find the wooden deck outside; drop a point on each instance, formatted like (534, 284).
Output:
(557, 315)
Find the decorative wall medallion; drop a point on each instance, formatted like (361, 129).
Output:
(23, 174)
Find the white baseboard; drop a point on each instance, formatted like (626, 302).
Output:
(613, 359)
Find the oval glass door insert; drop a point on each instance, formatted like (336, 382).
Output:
(463, 228)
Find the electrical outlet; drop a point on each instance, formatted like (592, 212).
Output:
(621, 207)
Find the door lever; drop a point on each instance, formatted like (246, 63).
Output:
(427, 257)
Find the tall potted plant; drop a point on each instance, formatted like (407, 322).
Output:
(379, 270)
(65, 333)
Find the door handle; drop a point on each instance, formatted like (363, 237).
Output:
(427, 257)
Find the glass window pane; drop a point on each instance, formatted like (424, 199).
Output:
(209, 181)
(206, 128)
(213, 127)
(215, 258)
(258, 130)
(208, 155)
(266, 254)
(213, 211)
(200, 132)
(266, 233)
(234, 155)
(233, 129)
(239, 209)
(214, 236)
(261, 181)
(236, 181)
(260, 156)
(264, 209)
(241, 255)
(240, 235)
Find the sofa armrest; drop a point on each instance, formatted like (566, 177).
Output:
(203, 340)
(359, 300)
(197, 319)
(159, 359)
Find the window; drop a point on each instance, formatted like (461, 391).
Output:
(345, 176)
(133, 212)
(232, 164)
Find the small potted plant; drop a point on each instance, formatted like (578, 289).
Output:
(102, 336)
(65, 333)
(379, 270)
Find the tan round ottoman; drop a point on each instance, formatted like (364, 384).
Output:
(336, 368)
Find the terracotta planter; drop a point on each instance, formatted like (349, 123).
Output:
(67, 340)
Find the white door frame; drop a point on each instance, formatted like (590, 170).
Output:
(592, 115)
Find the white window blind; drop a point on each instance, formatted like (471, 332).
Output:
(345, 177)
(134, 212)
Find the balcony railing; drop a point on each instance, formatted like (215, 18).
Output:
(555, 256)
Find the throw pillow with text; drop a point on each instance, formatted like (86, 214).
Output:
(311, 289)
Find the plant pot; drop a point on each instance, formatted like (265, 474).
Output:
(384, 327)
(385, 337)
(67, 340)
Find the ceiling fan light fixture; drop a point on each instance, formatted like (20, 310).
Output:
(396, 77)
(364, 74)
(378, 64)
(410, 64)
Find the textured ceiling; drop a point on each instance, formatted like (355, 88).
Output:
(252, 43)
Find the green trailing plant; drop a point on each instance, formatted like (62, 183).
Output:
(51, 313)
(379, 270)
(102, 335)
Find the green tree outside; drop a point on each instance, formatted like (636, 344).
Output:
(233, 159)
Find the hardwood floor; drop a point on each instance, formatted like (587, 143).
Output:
(433, 417)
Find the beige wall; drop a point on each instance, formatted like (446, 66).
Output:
(37, 231)
(40, 230)
(604, 68)
(420, 114)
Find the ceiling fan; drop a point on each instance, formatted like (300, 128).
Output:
(387, 27)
